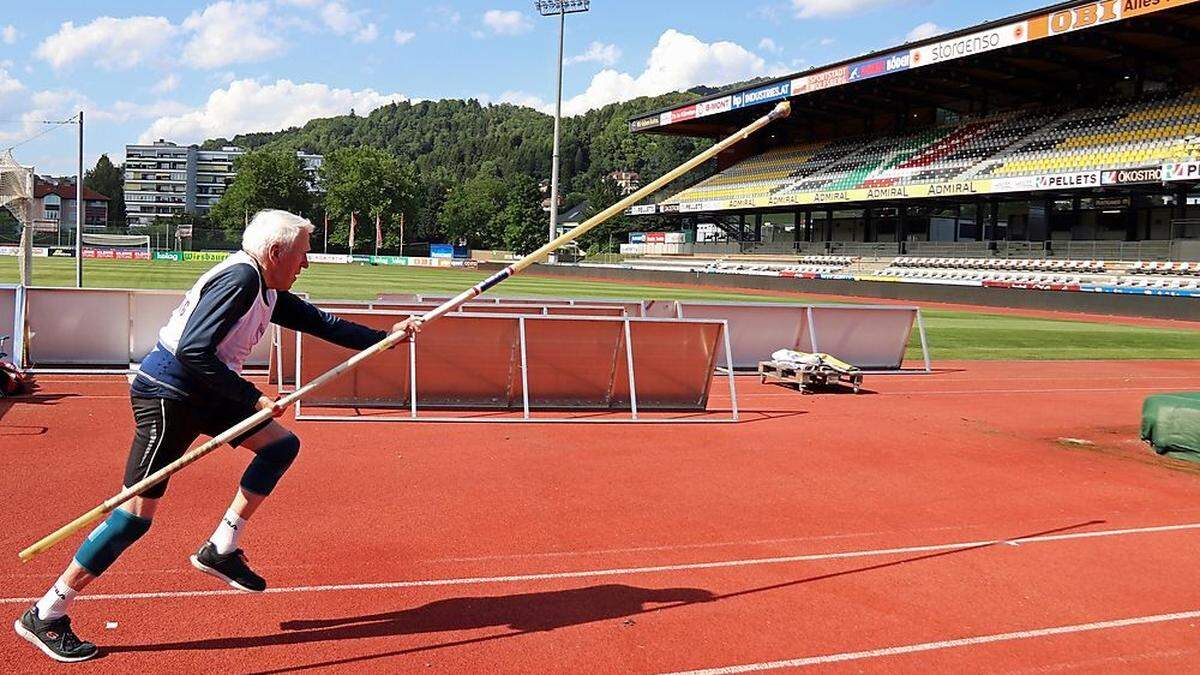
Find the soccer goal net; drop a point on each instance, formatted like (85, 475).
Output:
(16, 196)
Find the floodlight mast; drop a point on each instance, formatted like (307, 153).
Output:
(559, 8)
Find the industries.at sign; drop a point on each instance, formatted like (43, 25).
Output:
(773, 92)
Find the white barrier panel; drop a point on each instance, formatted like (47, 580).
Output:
(8, 315)
(113, 328)
(867, 336)
(73, 327)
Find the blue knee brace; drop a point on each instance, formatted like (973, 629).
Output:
(269, 466)
(108, 541)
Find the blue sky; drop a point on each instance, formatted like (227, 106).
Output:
(187, 71)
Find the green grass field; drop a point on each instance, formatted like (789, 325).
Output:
(951, 335)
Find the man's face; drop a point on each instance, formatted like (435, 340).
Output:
(284, 266)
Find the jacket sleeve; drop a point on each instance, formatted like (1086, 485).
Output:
(223, 301)
(292, 312)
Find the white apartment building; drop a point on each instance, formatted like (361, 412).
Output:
(166, 180)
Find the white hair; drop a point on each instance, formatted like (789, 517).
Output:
(272, 226)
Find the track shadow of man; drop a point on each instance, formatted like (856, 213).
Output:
(523, 612)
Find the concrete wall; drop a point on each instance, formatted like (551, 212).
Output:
(1161, 307)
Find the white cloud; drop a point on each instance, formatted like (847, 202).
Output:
(507, 22)
(168, 83)
(808, 9)
(123, 111)
(403, 37)
(9, 34)
(925, 30)
(299, 3)
(8, 83)
(443, 17)
(246, 106)
(108, 42)
(367, 34)
(344, 21)
(230, 32)
(678, 61)
(768, 45)
(598, 52)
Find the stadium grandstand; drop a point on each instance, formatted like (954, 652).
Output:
(1060, 146)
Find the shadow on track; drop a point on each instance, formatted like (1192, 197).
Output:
(524, 613)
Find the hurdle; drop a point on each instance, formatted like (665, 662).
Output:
(636, 367)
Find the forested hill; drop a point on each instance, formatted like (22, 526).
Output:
(448, 141)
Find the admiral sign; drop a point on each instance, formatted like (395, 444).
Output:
(882, 65)
(1149, 174)
(773, 92)
(1181, 171)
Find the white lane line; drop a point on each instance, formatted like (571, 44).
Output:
(583, 574)
(944, 644)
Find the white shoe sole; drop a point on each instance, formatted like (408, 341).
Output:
(213, 572)
(33, 640)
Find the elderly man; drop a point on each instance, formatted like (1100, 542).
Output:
(189, 386)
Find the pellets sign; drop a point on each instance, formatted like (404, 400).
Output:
(773, 92)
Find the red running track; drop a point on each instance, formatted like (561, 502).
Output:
(939, 524)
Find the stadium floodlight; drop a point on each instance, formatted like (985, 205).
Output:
(559, 8)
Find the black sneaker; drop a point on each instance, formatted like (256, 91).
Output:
(230, 568)
(54, 637)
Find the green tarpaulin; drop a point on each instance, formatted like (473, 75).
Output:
(1171, 424)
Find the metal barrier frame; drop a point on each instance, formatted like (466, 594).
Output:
(919, 322)
(526, 416)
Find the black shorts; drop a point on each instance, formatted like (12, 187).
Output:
(167, 428)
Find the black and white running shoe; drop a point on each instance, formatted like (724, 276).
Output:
(230, 568)
(54, 637)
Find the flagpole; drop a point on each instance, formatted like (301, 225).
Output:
(401, 252)
(326, 237)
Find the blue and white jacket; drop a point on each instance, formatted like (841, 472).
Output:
(201, 350)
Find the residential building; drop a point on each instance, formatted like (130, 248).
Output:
(163, 179)
(54, 206)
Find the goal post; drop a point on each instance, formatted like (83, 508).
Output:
(116, 245)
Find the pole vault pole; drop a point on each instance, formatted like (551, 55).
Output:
(781, 110)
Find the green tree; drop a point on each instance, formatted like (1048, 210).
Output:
(604, 237)
(109, 181)
(370, 183)
(472, 211)
(266, 179)
(524, 221)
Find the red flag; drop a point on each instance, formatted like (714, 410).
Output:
(378, 231)
(353, 222)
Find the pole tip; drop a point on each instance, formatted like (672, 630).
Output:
(782, 109)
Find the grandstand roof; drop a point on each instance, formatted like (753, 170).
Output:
(1045, 54)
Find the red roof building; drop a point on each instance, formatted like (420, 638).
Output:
(54, 205)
